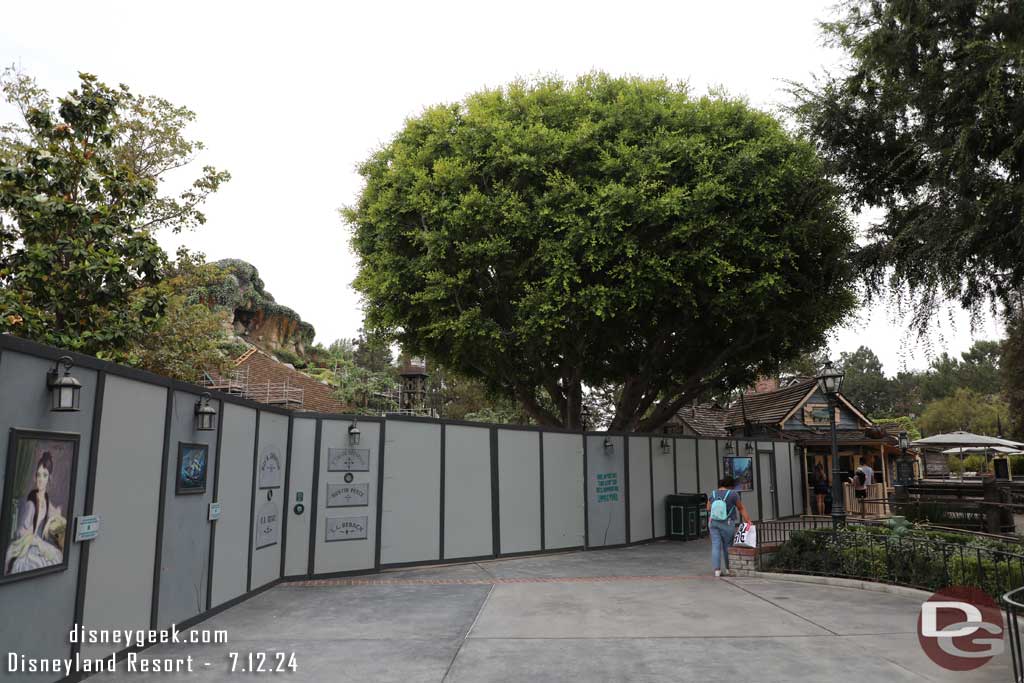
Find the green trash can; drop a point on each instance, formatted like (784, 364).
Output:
(686, 516)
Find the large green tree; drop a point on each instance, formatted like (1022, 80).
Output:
(551, 236)
(926, 121)
(967, 410)
(865, 384)
(80, 200)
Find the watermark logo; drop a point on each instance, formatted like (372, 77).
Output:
(960, 628)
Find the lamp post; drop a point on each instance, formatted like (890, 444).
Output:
(904, 465)
(830, 381)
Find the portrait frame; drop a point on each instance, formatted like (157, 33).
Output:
(183, 487)
(741, 468)
(20, 454)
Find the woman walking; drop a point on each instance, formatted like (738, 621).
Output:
(723, 504)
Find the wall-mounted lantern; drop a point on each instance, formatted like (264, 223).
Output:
(730, 449)
(666, 447)
(609, 446)
(354, 434)
(65, 390)
(748, 450)
(206, 416)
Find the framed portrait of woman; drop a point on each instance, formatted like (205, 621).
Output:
(38, 503)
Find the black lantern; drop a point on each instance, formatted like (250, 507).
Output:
(904, 464)
(609, 447)
(65, 390)
(748, 450)
(666, 447)
(354, 434)
(830, 379)
(730, 449)
(206, 416)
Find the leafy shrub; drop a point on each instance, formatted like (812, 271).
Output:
(924, 559)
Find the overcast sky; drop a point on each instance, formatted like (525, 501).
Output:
(290, 97)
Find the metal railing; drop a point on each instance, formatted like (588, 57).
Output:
(913, 560)
(775, 532)
(1014, 609)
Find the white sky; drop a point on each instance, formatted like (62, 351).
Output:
(290, 97)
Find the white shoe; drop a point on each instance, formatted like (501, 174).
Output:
(718, 573)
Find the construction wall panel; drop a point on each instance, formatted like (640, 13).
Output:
(467, 492)
(519, 490)
(640, 522)
(411, 521)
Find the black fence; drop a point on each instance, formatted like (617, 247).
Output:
(1014, 610)
(776, 532)
(918, 561)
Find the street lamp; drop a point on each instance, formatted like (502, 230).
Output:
(905, 464)
(830, 382)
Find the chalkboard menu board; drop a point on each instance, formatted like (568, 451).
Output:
(936, 465)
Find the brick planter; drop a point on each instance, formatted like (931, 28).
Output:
(744, 561)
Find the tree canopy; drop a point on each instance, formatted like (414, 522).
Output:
(550, 236)
(927, 122)
(80, 200)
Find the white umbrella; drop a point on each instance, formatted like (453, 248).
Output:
(1005, 450)
(963, 441)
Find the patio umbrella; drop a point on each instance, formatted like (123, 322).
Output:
(1005, 450)
(961, 441)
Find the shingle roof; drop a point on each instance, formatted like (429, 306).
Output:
(704, 420)
(316, 396)
(770, 407)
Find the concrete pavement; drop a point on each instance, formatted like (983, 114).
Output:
(645, 613)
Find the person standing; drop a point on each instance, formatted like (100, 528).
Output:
(723, 505)
(821, 490)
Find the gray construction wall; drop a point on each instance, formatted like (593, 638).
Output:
(48, 599)
(467, 492)
(686, 466)
(640, 510)
(300, 479)
(606, 509)
(564, 507)
(784, 479)
(519, 490)
(119, 588)
(184, 559)
(407, 461)
(270, 499)
(708, 463)
(411, 516)
(664, 482)
(413, 491)
(231, 545)
(797, 479)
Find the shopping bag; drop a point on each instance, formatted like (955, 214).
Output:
(746, 536)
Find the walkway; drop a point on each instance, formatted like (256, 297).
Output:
(646, 613)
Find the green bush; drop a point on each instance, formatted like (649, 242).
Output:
(924, 559)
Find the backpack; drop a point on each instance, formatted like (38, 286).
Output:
(861, 477)
(719, 510)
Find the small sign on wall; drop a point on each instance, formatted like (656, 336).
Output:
(348, 459)
(344, 528)
(214, 513)
(87, 528)
(347, 495)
